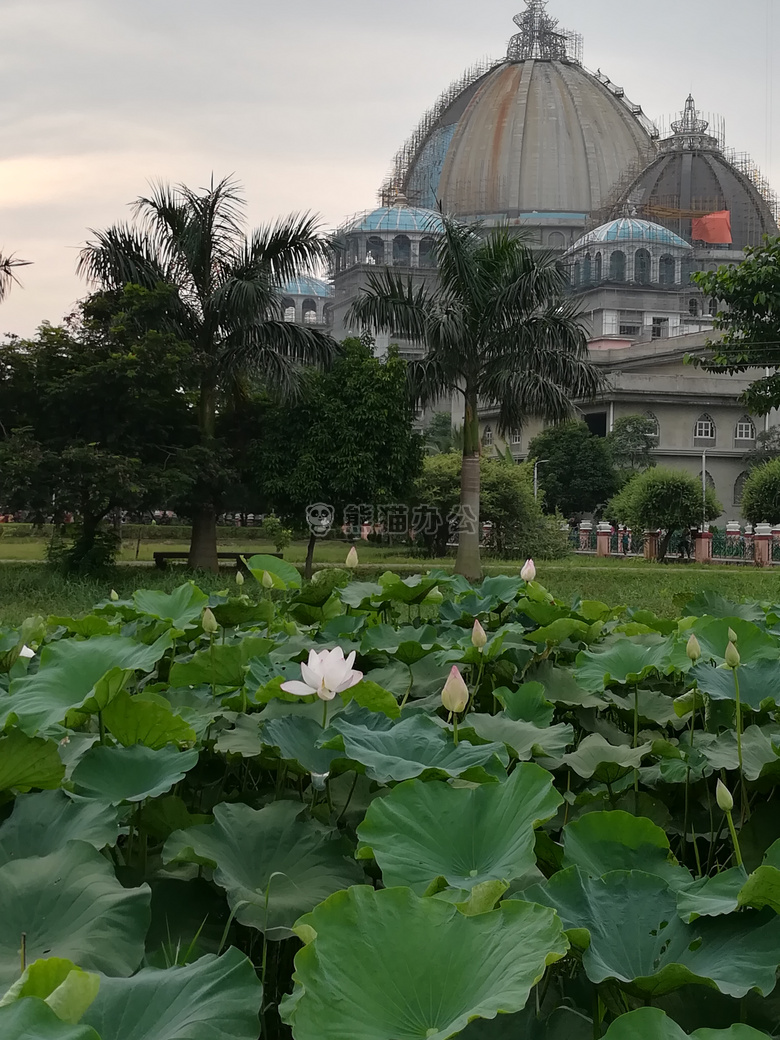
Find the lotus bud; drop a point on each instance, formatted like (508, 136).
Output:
(435, 596)
(732, 636)
(113, 595)
(478, 635)
(723, 797)
(239, 578)
(209, 623)
(732, 656)
(528, 573)
(267, 580)
(693, 649)
(352, 559)
(455, 695)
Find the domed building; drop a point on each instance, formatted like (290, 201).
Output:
(534, 139)
(308, 301)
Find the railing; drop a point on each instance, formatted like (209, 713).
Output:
(734, 546)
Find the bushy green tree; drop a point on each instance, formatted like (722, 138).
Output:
(519, 527)
(631, 443)
(761, 494)
(578, 474)
(663, 499)
(749, 293)
(498, 327)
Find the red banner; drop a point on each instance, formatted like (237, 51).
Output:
(715, 228)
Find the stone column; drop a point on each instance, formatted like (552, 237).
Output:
(586, 527)
(604, 539)
(733, 533)
(749, 542)
(651, 545)
(704, 547)
(763, 545)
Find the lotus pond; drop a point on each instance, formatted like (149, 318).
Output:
(587, 845)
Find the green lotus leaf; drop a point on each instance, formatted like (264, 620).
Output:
(179, 608)
(425, 678)
(370, 695)
(637, 937)
(43, 823)
(244, 739)
(415, 746)
(89, 626)
(523, 738)
(759, 757)
(273, 865)
(70, 905)
(239, 611)
(596, 757)
(284, 575)
(220, 666)
(565, 628)
(146, 719)
(74, 674)
(762, 889)
(753, 643)
(131, 774)
(406, 590)
(560, 686)
(66, 988)
(422, 831)
(360, 594)
(527, 703)
(297, 739)
(216, 998)
(653, 1024)
(709, 602)
(27, 762)
(600, 842)
(431, 969)
(391, 640)
(759, 683)
(625, 661)
(33, 1019)
(711, 896)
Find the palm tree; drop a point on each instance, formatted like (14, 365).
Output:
(227, 302)
(7, 276)
(496, 329)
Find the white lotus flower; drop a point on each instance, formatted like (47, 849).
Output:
(113, 596)
(26, 652)
(478, 635)
(267, 580)
(352, 559)
(723, 797)
(528, 573)
(326, 674)
(455, 695)
(239, 579)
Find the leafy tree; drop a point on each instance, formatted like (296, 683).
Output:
(496, 328)
(94, 417)
(225, 303)
(441, 435)
(761, 494)
(519, 527)
(767, 447)
(578, 475)
(750, 321)
(631, 443)
(348, 441)
(665, 499)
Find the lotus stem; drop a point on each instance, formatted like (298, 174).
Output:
(324, 714)
(734, 839)
(743, 786)
(23, 952)
(455, 728)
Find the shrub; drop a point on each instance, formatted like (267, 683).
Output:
(761, 494)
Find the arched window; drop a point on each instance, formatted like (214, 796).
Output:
(587, 269)
(288, 308)
(375, 251)
(704, 431)
(617, 266)
(739, 487)
(710, 480)
(667, 270)
(402, 251)
(642, 267)
(309, 312)
(556, 240)
(575, 274)
(693, 308)
(656, 434)
(516, 439)
(598, 268)
(713, 308)
(427, 252)
(487, 437)
(327, 314)
(745, 430)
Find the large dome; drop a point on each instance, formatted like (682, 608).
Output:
(535, 139)
(692, 177)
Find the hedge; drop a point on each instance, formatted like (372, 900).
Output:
(148, 532)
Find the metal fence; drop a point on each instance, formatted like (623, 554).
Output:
(732, 546)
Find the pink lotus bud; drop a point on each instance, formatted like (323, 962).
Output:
(528, 573)
(455, 695)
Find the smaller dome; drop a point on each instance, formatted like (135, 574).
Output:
(398, 218)
(631, 229)
(303, 285)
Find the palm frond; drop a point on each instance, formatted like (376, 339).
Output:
(121, 256)
(8, 265)
(289, 246)
(273, 351)
(391, 303)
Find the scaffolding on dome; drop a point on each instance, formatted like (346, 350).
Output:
(541, 38)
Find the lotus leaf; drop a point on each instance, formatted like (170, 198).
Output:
(625, 661)
(43, 823)
(131, 774)
(70, 905)
(146, 719)
(27, 762)
(596, 757)
(66, 988)
(759, 683)
(273, 864)
(523, 738)
(283, 574)
(653, 1024)
(179, 608)
(407, 968)
(33, 1019)
(422, 831)
(601, 842)
(216, 998)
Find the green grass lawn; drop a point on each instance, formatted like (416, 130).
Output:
(28, 587)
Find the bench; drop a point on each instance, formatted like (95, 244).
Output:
(161, 558)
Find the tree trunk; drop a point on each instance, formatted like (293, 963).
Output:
(663, 545)
(468, 562)
(203, 544)
(308, 570)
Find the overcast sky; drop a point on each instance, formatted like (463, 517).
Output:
(305, 102)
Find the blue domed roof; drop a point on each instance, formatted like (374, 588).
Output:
(398, 218)
(631, 229)
(303, 285)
